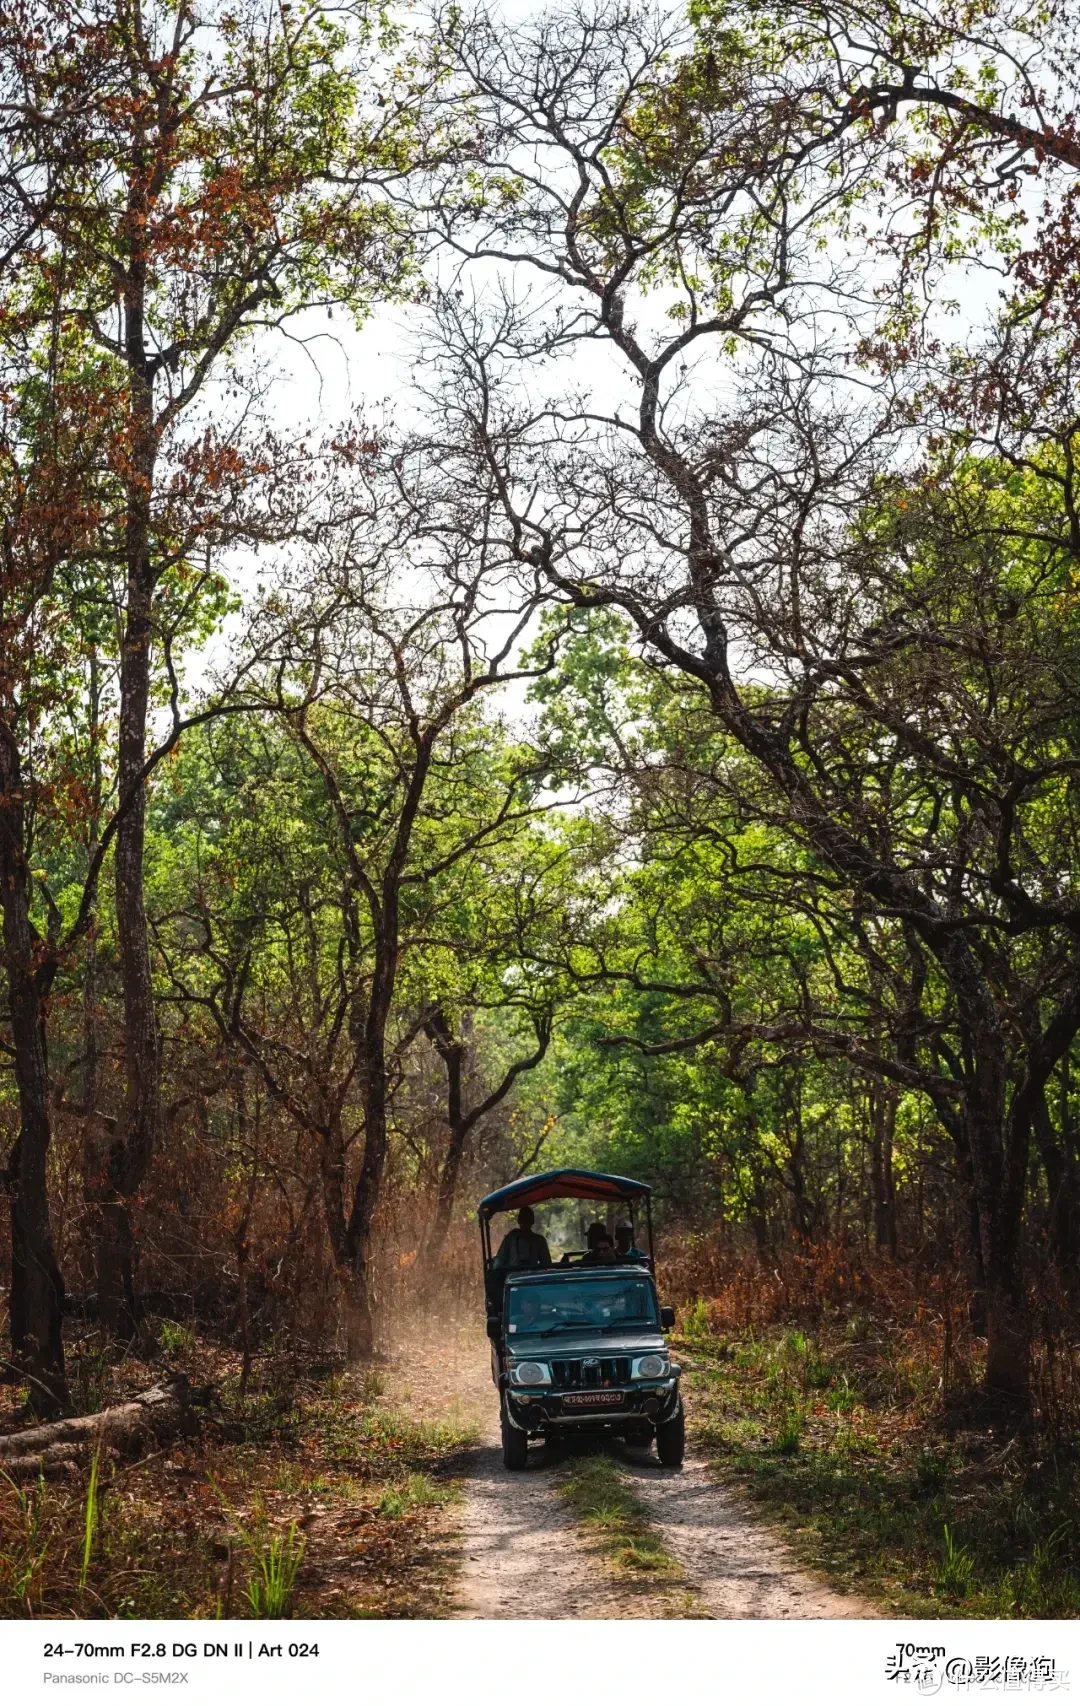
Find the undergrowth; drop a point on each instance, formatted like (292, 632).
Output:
(883, 1477)
(300, 1497)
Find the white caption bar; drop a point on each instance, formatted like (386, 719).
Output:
(455, 1664)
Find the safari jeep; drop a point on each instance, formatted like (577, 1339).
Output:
(579, 1349)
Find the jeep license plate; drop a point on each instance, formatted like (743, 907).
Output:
(592, 1400)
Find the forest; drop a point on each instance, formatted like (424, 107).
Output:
(642, 732)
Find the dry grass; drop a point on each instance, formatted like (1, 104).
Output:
(310, 1495)
(842, 1288)
(842, 1391)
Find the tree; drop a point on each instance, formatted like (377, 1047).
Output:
(867, 619)
(375, 657)
(47, 436)
(529, 898)
(194, 175)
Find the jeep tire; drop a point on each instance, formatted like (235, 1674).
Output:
(515, 1444)
(671, 1439)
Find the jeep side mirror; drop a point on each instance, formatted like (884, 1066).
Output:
(494, 1326)
(667, 1316)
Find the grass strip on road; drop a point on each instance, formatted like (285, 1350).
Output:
(618, 1526)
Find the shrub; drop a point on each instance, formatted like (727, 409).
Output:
(788, 1436)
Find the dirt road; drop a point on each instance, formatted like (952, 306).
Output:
(515, 1546)
(737, 1568)
(521, 1554)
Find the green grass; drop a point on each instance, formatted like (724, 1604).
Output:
(91, 1517)
(957, 1571)
(175, 1340)
(275, 1565)
(839, 1440)
(789, 1431)
(619, 1527)
(112, 1549)
(417, 1492)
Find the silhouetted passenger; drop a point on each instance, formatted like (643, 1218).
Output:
(601, 1251)
(625, 1248)
(522, 1247)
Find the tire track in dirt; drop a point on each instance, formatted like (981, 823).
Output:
(523, 1555)
(736, 1567)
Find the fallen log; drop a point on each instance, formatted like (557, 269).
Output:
(151, 1419)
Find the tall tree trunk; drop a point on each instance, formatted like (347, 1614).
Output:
(242, 1235)
(37, 1289)
(1000, 1140)
(332, 1175)
(759, 1218)
(994, 1146)
(95, 1145)
(882, 1128)
(1065, 1119)
(131, 1154)
(888, 1139)
(462, 1122)
(361, 1324)
(452, 1052)
(386, 921)
(384, 904)
(447, 1190)
(1008, 1329)
(796, 1159)
(1060, 1190)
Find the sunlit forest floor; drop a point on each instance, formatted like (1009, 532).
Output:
(329, 1492)
(845, 1440)
(317, 1492)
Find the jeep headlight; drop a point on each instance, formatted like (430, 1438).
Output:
(650, 1367)
(530, 1374)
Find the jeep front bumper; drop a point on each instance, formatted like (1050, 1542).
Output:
(544, 1411)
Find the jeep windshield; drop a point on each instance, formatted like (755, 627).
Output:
(597, 1305)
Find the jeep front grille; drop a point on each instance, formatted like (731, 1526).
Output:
(574, 1374)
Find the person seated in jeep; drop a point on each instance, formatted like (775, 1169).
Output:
(601, 1251)
(522, 1247)
(625, 1248)
(528, 1312)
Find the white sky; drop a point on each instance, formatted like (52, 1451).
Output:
(329, 370)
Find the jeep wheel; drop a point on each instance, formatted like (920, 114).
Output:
(515, 1445)
(671, 1440)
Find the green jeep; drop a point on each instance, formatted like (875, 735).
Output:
(578, 1348)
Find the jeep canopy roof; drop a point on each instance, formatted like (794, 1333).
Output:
(562, 1182)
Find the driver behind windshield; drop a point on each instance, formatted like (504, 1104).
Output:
(527, 1310)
